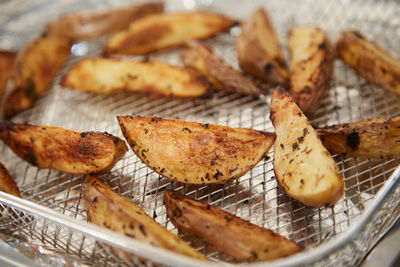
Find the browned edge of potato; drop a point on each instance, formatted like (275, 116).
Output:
(107, 209)
(194, 153)
(36, 66)
(111, 75)
(7, 183)
(311, 65)
(369, 60)
(302, 165)
(165, 30)
(228, 233)
(371, 138)
(86, 25)
(61, 149)
(200, 59)
(258, 50)
(7, 62)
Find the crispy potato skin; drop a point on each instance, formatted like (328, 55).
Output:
(61, 149)
(226, 232)
(160, 31)
(302, 165)
(194, 153)
(258, 50)
(108, 209)
(106, 76)
(7, 183)
(7, 61)
(372, 138)
(202, 60)
(88, 25)
(311, 65)
(36, 67)
(370, 61)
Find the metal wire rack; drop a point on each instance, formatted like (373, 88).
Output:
(52, 215)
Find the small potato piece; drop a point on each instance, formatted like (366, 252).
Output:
(226, 232)
(7, 61)
(7, 183)
(302, 165)
(36, 67)
(370, 61)
(311, 65)
(160, 31)
(61, 149)
(372, 138)
(88, 25)
(108, 209)
(106, 76)
(194, 153)
(258, 50)
(202, 60)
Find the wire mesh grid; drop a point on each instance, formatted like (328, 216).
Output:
(256, 196)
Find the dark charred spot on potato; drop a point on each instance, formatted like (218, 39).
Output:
(123, 129)
(280, 62)
(282, 146)
(208, 206)
(141, 228)
(131, 226)
(300, 139)
(146, 131)
(302, 181)
(383, 70)
(83, 135)
(254, 255)
(266, 158)
(289, 174)
(353, 140)
(106, 225)
(322, 45)
(299, 114)
(131, 77)
(295, 146)
(176, 213)
(30, 156)
(358, 35)
(162, 170)
(268, 67)
(207, 176)
(115, 140)
(130, 235)
(95, 199)
(214, 160)
(186, 129)
(205, 125)
(217, 174)
(131, 117)
(132, 143)
(154, 214)
(232, 170)
(228, 218)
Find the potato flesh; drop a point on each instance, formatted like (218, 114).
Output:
(7, 61)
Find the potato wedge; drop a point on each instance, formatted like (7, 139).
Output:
(370, 61)
(258, 50)
(88, 25)
(108, 209)
(160, 31)
(228, 233)
(7, 183)
(311, 65)
(372, 138)
(36, 67)
(202, 60)
(106, 76)
(194, 153)
(7, 61)
(303, 166)
(61, 149)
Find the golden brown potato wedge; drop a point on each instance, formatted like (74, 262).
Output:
(108, 209)
(226, 232)
(194, 153)
(160, 31)
(311, 65)
(202, 60)
(61, 149)
(105, 76)
(303, 166)
(7, 61)
(372, 138)
(36, 67)
(7, 183)
(87, 25)
(370, 61)
(258, 50)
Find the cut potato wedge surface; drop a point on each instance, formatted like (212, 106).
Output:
(106, 76)
(61, 149)
(108, 209)
(7, 183)
(303, 166)
(160, 31)
(194, 153)
(7, 63)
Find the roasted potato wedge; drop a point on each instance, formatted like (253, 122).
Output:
(200, 59)
(370, 61)
(7, 183)
(303, 166)
(226, 232)
(61, 149)
(160, 31)
(106, 76)
(36, 67)
(88, 25)
(258, 50)
(7, 61)
(194, 153)
(311, 65)
(108, 209)
(372, 138)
